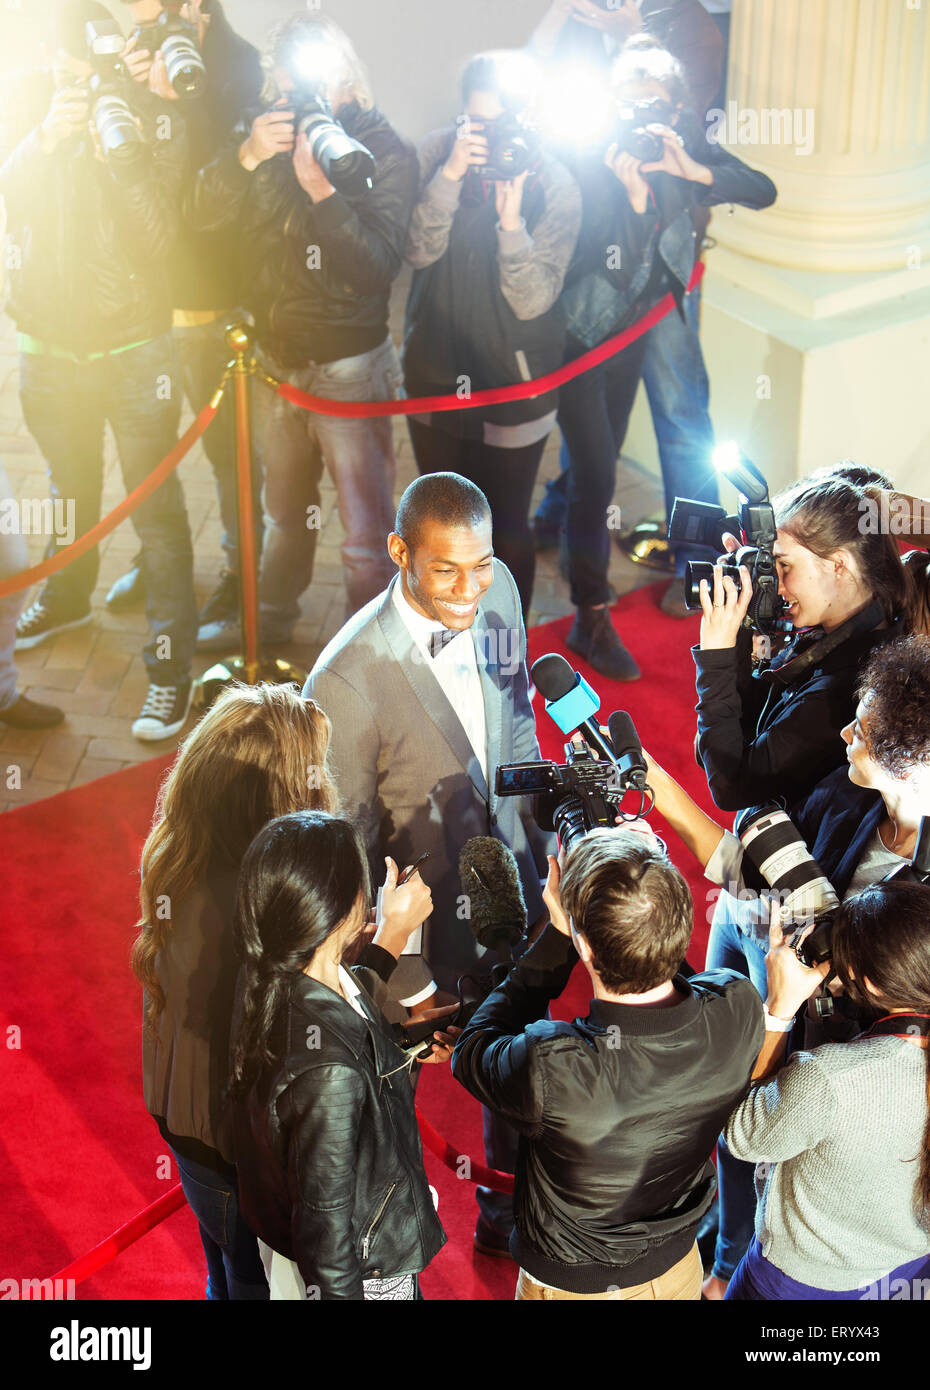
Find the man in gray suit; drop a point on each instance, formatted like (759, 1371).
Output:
(427, 692)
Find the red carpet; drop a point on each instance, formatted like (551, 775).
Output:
(81, 1156)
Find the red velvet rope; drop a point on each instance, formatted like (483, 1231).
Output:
(110, 522)
(527, 390)
(474, 1171)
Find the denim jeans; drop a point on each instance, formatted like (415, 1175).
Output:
(675, 379)
(203, 355)
(14, 557)
(292, 445)
(234, 1265)
(66, 406)
(594, 411)
(676, 385)
(736, 943)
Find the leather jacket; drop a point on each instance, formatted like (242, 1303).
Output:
(308, 308)
(93, 242)
(327, 1146)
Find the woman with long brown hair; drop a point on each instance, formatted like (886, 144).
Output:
(259, 752)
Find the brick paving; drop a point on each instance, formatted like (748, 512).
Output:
(96, 674)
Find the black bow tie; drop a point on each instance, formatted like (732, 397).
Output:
(437, 640)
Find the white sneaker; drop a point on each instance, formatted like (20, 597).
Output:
(164, 712)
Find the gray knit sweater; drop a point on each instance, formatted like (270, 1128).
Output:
(837, 1134)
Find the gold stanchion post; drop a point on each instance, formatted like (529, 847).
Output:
(248, 667)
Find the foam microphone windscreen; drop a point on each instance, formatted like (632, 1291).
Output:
(552, 676)
(491, 882)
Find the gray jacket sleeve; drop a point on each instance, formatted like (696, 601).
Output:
(437, 204)
(533, 265)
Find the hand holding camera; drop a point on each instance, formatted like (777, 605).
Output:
(309, 174)
(509, 200)
(675, 158)
(724, 608)
(618, 18)
(790, 982)
(403, 907)
(627, 169)
(470, 150)
(68, 115)
(272, 133)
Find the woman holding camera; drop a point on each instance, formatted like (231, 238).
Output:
(860, 823)
(772, 731)
(259, 752)
(637, 243)
(330, 1165)
(492, 234)
(843, 1132)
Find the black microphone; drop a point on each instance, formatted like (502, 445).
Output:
(628, 750)
(491, 883)
(570, 701)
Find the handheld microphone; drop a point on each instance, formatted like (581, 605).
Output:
(491, 883)
(628, 750)
(570, 701)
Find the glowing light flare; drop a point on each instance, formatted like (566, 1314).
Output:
(575, 107)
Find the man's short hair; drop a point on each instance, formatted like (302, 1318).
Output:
(632, 906)
(445, 497)
(69, 25)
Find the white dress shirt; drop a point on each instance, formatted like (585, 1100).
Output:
(456, 669)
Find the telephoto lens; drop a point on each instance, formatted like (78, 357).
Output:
(347, 164)
(184, 66)
(773, 844)
(118, 133)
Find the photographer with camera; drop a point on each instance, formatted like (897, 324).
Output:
(327, 1144)
(93, 204)
(320, 190)
(191, 56)
(842, 1133)
(768, 727)
(490, 240)
(859, 824)
(617, 1112)
(637, 243)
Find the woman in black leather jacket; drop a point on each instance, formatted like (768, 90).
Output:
(328, 1151)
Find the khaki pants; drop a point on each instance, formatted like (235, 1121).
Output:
(681, 1282)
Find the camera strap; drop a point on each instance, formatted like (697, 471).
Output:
(900, 1026)
(791, 664)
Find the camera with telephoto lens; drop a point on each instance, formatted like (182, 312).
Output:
(698, 523)
(176, 40)
(120, 140)
(346, 163)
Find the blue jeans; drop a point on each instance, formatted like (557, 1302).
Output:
(66, 406)
(14, 557)
(292, 446)
(234, 1266)
(675, 379)
(732, 947)
(676, 385)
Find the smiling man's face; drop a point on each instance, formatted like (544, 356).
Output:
(451, 568)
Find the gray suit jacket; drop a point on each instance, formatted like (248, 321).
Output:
(406, 771)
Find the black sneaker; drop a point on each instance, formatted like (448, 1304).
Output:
(223, 603)
(594, 637)
(164, 712)
(24, 713)
(38, 622)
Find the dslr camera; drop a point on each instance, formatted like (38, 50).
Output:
(630, 132)
(120, 141)
(700, 523)
(176, 40)
(513, 144)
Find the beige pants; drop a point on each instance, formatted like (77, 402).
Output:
(681, 1282)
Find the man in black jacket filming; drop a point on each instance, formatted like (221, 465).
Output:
(317, 265)
(92, 192)
(617, 1111)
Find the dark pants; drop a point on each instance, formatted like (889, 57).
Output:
(505, 476)
(203, 355)
(66, 406)
(594, 411)
(234, 1266)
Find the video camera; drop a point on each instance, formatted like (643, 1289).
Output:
(176, 40)
(774, 846)
(119, 136)
(700, 523)
(584, 792)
